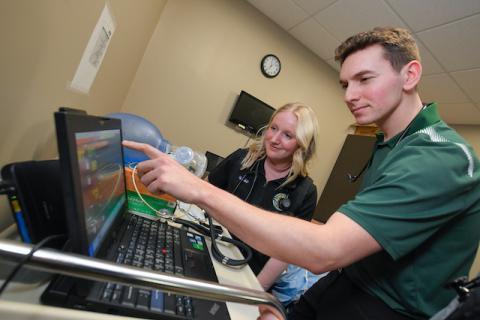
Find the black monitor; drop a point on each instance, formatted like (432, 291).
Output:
(91, 162)
(212, 161)
(250, 113)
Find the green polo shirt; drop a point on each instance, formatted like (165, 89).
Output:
(420, 199)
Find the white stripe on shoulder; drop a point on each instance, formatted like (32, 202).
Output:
(436, 137)
(469, 157)
(432, 133)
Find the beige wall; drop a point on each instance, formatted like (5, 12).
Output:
(471, 134)
(203, 53)
(42, 43)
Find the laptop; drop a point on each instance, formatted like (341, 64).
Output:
(99, 225)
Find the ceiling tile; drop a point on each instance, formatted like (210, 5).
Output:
(284, 12)
(424, 14)
(456, 45)
(313, 6)
(347, 17)
(470, 82)
(446, 32)
(462, 113)
(313, 36)
(430, 65)
(442, 89)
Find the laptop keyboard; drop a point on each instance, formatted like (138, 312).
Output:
(151, 245)
(155, 246)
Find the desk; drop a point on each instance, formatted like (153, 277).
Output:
(243, 277)
(21, 301)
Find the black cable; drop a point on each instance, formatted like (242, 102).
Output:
(197, 227)
(27, 258)
(253, 183)
(6, 187)
(223, 259)
(216, 234)
(474, 283)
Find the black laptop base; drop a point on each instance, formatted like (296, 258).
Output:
(190, 258)
(62, 292)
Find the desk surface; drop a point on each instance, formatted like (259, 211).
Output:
(21, 301)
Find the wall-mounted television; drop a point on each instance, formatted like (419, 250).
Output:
(250, 113)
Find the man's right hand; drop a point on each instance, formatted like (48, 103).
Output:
(163, 174)
(268, 313)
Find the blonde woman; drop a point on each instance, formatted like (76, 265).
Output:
(272, 174)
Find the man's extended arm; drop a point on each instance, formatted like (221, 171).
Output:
(319, 248)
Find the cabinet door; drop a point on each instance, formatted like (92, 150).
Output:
(355, 153)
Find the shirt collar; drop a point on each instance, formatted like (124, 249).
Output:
(425, 118)
(279, 181)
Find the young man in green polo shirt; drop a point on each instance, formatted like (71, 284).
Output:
(413, 226)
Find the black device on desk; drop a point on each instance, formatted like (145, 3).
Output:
(34, 193)
(100, 225)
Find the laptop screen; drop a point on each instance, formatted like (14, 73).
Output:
(99, 158)
(93, 180)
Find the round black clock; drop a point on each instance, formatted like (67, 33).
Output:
(270, 66)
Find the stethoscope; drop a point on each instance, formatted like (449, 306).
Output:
(281, 201)
(353, 178)
(244, 176)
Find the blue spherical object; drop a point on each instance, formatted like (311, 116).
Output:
(138, 129)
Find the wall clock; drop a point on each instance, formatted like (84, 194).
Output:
(270, 66)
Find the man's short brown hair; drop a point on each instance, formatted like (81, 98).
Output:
(399, 45)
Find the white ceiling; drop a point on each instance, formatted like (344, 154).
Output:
(447, 32)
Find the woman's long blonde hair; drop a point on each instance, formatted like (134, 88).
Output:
(306, 135)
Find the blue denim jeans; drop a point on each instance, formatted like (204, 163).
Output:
(293, 282)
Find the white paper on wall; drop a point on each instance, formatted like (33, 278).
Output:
(94, 52)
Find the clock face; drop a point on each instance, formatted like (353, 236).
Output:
(270, 66)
